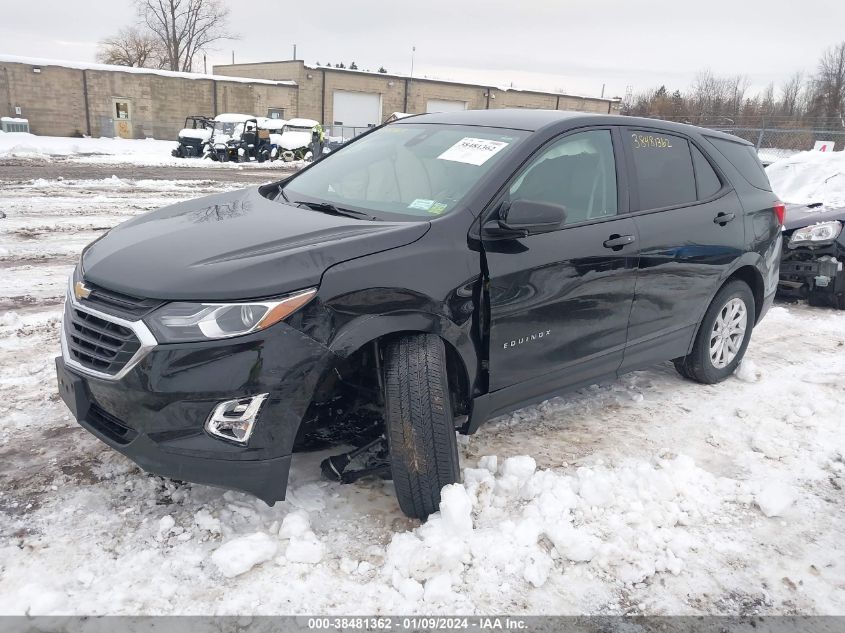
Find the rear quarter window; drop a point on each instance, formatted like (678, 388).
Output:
(744, 158)
(706, 181)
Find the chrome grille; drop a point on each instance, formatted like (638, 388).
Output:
(121, 305)
(96, 343)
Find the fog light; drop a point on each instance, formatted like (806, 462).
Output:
(234, 420)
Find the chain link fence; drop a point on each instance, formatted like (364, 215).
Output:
(775, 143)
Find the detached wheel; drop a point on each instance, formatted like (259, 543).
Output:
(420, 423)
(722, 337)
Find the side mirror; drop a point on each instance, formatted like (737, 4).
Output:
(531, 216)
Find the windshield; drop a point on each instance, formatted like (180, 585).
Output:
(413, 171)
(292, 128)
(227, 127)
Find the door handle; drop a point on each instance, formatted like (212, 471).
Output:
(723, 218)
(617, 242)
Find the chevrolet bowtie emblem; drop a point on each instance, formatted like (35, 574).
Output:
(81, 291)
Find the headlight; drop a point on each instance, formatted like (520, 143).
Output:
(181, 322)
(821, 232)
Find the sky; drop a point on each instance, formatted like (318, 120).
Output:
(575, 46)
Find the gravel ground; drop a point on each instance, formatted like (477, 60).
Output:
(23, 170)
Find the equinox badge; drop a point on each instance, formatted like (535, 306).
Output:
(526, 339)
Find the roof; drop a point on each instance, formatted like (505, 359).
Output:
(464, 83)
(63, 63)
(429, 79)
(532, 120)
(271, 124)
(513, 118)
(232, 117)
(302, 122)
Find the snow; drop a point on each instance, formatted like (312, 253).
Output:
(810, 177)
(774, 499)
(241, 554)
(198, 133)
(64, 63)
(109, 151)
(295, 524)
(305, 548)
(233, 117)
(693, 499)
(309, 123)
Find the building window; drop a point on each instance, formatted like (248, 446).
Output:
(275, 113)
(121, 110)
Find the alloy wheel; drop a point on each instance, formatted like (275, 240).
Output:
(728, 333)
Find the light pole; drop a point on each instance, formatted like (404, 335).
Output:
(413, 50)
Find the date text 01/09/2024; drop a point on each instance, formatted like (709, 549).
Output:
(414, 623)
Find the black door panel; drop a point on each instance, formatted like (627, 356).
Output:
(683, 255)
(684, 252)
(559, 301)
(562, 301)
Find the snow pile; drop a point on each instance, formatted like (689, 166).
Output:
(810, 177)
(23, 145)
(519, 524)
(774, 499)
(240, 555)
(113, 151)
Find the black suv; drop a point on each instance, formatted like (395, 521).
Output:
(430, 274)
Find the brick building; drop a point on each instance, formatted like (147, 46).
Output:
(62, 98)
(344, 99)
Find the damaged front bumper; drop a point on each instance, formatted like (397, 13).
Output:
(817, 274)
(156, 412)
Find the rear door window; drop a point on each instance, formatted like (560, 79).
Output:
(663, 169)
(706, 180)
(744, 158)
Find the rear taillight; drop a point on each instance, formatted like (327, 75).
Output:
(780, 211)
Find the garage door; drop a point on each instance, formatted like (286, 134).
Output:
(356, 109)
(442, 105)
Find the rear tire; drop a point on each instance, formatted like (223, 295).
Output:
(419, 423)
(717, 350)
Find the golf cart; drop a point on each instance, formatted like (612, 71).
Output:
(193, 137)
(297, 138)
(237, 137)
(274, 128)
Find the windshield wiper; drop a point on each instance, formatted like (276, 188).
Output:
(328, 207)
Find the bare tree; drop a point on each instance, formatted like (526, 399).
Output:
(184, 27)
(738, 86)
(830, 83)
(132, 47)
(790, 95)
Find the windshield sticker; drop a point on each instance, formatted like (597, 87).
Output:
(437, 208)
(473, 151)
(421, 203)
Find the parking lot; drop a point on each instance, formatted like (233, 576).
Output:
(671, 497)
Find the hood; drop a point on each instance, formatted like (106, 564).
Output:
(202, 134)
(236, 245)
(295, 140)
(799, 215)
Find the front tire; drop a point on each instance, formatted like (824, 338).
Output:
(419, 423)
(722, 337)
